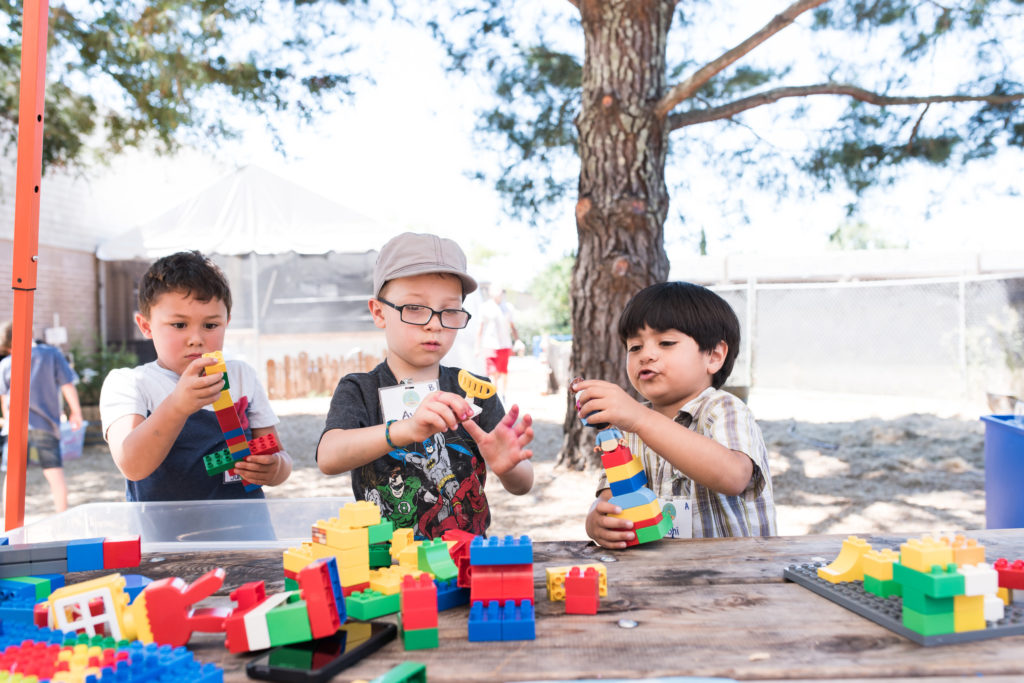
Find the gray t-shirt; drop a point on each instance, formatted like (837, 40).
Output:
(431, 486)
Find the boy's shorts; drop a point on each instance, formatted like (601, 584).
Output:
(497, 362)
(43, 449)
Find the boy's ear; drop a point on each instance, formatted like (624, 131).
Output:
(716, 357)
(144, 326)
(377, 312)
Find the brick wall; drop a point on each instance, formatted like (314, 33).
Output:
(67, 284)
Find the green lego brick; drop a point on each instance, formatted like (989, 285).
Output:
(290, 584)
(380, 555)
(925, 604)
(289, 623)
(220, 461)
(882, 589)
(939, 583)
(654, 533)
(420, 639)
(370, 604)
(380, 533)
(433, 557)
(406, 672)
(227, 384)
(928, 624)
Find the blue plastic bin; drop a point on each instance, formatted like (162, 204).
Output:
(1004, 472)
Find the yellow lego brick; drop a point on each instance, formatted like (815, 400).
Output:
(1004, 595)
(399, 540)
(223, 401)
(296, 559)
(848, 565)
(968, 613)
(921, 554)
(220, 367)
(556, 580)
(361, 513)
(967, 550)
(338, 535)
(641, 512)
(622, 472)
(410, 556)
(352, 576)
(236, 447)
(388, 580)
(878, 563)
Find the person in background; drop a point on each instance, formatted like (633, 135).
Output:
(495, 337)
(51, 377)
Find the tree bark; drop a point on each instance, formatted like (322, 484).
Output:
(623, 200)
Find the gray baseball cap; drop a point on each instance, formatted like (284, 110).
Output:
(413, 253)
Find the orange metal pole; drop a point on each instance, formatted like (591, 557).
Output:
(26, 246)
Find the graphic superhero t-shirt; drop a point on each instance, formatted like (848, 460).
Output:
(431, 486)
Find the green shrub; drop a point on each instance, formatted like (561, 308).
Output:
(92, 368)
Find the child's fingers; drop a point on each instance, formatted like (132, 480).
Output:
(475, 431)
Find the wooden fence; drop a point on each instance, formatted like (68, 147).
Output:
(301, 376)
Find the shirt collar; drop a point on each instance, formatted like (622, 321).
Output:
(693, 406)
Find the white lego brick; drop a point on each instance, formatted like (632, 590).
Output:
(980, 579)
(993, 608)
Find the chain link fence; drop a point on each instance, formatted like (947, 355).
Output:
(944, 337)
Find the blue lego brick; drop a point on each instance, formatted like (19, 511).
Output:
(18, 588)
(233, 434)
(14, 632)
(484, 623)
(494, 551)
(135, 584)
(17, 610)
(56, 580)
(4, 540)
(634, 499)
(634, 483)
(85, 554)
(450, 595)
(517, 621)
(251, 487)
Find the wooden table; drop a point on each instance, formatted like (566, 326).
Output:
(702, 607)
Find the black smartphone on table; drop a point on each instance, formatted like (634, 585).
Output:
(318, 661)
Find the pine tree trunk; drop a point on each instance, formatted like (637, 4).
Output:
(623, 200)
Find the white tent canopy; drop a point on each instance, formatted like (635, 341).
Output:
(249, 211)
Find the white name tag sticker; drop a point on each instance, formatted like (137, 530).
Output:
(230, 477)
(681, 513)
(401, 401)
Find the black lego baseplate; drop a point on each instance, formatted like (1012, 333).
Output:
(888, 612)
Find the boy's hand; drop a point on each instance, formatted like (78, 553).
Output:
(440, 411)
(196, 389)
(504, 447)
(601, 401)
(265, 470)
(607, 531)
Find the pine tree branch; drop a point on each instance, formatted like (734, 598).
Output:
(730, 109)
(688, 87)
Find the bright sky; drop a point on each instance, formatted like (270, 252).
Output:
(400, 153)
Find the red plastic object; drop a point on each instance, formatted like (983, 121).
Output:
(246, 596)
(169, 608)
(264, 445)
(581, 591)
(315, 587)
(1011, 575)
(419, 602)
(125, 551)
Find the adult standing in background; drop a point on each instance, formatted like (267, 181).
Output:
(51, 376)
(495, 336)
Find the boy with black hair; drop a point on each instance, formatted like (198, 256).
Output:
(696, 442)
(158, 418)
(405, 429)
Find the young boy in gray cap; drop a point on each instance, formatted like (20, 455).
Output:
(405, 430)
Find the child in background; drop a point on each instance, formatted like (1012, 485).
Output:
(426, 467)
(158, 418)
(695, 441)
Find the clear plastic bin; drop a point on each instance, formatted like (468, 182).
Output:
(72, 441)
(184, 526)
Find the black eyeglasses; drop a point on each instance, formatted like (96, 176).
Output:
(414, 314)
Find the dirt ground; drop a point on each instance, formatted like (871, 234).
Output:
(840, 464)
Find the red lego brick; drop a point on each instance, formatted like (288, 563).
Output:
(124, 551)
(169, 608)
(356, 588)
(485, 583)
(419, 602)
(236, 440)
(581, 591)
(462, 541)
(647, 522)
(620, 456)
(246, 596)
(228, 420)
(315, 584)
(1011, 575)
(517, 582)
(264, 445)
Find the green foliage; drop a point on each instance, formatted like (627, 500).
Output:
(171, 71)
(551, 290)
(93, 366)
(860, 235)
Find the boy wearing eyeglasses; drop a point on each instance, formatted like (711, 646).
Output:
(405, 430)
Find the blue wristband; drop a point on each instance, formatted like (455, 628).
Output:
(387, 433)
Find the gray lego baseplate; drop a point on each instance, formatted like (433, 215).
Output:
(888, 612)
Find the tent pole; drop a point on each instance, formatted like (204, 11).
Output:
(26, 245)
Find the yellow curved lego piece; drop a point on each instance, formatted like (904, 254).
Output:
(849, 565)
(475, 387)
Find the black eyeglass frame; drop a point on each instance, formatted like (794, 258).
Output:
(439, 314)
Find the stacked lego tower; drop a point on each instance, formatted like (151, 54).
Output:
(628, 483)
(501, 589)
